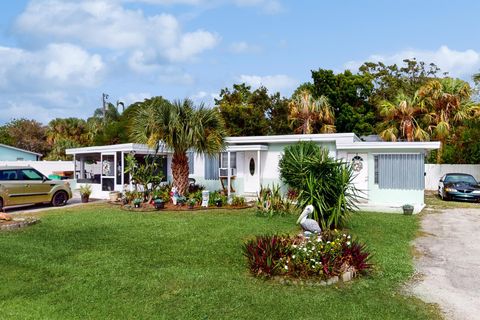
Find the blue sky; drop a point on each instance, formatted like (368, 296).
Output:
(57, 57)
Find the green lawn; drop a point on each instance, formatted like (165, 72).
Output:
(98, 262)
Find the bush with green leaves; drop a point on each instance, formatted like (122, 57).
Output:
(321, 181)
(147, 176)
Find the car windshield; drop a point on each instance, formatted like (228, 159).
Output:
(460, 178)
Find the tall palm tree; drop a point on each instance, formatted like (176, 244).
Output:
(181, 127)
(400, 119)
(311, 115)
(449, 103)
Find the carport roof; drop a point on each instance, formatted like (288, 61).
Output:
(124, 147)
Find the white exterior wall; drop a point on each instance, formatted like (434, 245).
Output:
(435, 171)
(45, 167)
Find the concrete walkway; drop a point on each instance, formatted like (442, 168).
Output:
(449, 262)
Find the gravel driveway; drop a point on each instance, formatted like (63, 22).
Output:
(449, 262)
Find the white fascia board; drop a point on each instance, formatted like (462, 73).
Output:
(247, 147)
(426, 145)
(322, 137)
(125, 147)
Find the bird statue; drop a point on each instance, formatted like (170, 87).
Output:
(309, 226)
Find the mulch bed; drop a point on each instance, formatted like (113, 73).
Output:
(172, 207)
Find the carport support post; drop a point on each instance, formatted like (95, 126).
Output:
(82, 168)
(228, 176)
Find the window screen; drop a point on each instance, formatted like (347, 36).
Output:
(224, 160)
(400, 171)
(211, 168)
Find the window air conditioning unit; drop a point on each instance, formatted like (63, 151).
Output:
(223, 172)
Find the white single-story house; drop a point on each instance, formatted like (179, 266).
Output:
(389, 174)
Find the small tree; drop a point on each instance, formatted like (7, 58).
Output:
(147, 175)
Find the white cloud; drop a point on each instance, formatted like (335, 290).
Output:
(456, 63)
(133, 97)
(243, 47)
(106, 24)
(268, 6)
(57, 65)
(273, 83)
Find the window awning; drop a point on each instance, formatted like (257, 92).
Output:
(246, 147)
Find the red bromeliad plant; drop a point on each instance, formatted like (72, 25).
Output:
(264, 253)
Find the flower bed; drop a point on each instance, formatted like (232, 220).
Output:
(328, 257)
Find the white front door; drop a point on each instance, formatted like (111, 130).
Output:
(251, 172)
(359, 162)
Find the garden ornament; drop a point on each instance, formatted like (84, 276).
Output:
(174, 194)
(309, 226)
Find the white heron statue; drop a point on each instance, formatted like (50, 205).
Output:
(308, 225)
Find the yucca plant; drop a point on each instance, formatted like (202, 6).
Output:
(323, 182)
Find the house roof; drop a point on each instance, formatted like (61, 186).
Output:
(125, 147)
(18, 149)
(291, 138)
(377, 145)
(343, 141)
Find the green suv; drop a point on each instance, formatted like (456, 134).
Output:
(25, 185)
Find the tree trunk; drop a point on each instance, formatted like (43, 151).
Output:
(440, 152)
(180, 172)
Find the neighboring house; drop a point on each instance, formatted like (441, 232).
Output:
(9, 153)
(389, 174)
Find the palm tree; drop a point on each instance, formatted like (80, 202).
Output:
(311, 115)
(181, 127)
(400, 119)
(449, 103)
(66, 133)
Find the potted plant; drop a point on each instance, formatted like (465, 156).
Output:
(407, 209)
(137, 202)
(218, 202)
(191, 203)
(159, 204)
(85, 192)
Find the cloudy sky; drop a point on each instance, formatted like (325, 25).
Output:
(57, 57)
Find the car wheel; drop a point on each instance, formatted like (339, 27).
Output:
(59, 199)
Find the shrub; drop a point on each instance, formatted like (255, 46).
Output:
(194, 188)
(238, 201)
(271, 202)
(322, 181)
